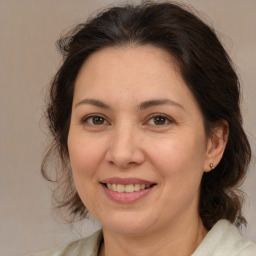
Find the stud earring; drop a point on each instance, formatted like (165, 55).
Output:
(211, 165)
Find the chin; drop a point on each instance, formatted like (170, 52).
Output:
(129, 225)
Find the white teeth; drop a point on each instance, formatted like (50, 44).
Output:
(129, 188)
(137, 187)
(120, 188)
(114, 187)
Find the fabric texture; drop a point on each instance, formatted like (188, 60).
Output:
(225, 240)
(222, 240)
(88, 246)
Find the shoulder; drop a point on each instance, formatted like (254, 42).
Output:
(88, 246)
(225, 240)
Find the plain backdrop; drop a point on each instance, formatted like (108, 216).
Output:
(28, 60)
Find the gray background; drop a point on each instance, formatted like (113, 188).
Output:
(28, 59)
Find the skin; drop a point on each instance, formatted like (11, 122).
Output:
(125, 140)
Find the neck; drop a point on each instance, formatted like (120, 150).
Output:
(181, 239)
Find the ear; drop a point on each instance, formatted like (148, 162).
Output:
(216, 145)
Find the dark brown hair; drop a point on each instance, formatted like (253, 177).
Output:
(205, 68)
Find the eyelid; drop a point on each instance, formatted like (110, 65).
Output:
(153, 115)
(168, 118)
(85, 119)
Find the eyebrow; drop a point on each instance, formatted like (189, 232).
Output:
(93, 102)
(142, 106)
(157, 102)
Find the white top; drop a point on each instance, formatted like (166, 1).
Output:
(225, 240)
(222, 240)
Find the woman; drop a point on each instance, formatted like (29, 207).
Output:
(145, 117)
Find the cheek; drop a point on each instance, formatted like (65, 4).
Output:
(179, 151)
(180, 159)
(85, 156)
(179, 164)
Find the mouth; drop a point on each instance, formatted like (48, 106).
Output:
(128, 188)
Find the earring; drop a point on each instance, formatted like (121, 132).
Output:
(211, 165)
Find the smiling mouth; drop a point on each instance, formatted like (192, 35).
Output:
(129, 188)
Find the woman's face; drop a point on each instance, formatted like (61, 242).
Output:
(137, 142)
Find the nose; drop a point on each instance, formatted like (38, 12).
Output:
(125, 148)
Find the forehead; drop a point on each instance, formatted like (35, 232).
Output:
(128, 66)
(125, 77)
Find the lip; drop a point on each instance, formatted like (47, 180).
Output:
(126, 181)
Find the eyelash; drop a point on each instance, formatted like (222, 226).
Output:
(166, 118)
(157, 115)
(85, 119)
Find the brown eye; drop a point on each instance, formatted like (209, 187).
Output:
(98, 120)
(159, 120)
(95, 120)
